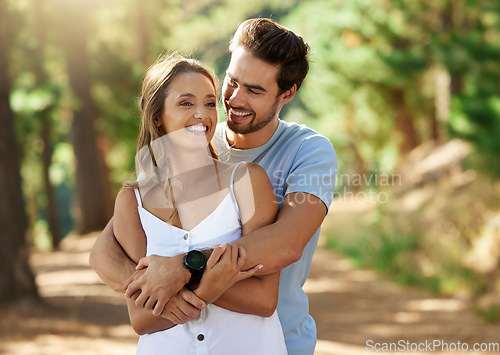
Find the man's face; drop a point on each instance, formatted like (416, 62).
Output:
(250, 93)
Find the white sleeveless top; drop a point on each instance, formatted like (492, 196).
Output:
(217, 331)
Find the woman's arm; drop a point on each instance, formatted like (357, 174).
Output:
(258, 207)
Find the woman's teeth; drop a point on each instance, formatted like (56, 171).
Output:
(197, 128)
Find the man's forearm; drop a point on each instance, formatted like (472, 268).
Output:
(280, 244)
(256, 295)
(109, 260)
(264, 246)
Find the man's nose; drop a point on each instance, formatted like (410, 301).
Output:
(237, 98)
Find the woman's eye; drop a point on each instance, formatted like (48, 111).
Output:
(211, 104)
(185, 103)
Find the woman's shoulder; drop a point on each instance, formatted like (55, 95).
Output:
(252, 177)
(126, 197)
(245, 167)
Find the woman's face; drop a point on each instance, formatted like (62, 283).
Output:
(189, 113)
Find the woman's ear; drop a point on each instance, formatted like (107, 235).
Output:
(157, 123)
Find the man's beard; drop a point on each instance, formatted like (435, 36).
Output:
(252, 127)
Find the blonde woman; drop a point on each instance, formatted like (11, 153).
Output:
(188, 204)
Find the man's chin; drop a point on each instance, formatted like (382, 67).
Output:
(237, 128)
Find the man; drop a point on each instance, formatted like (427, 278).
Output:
(268, 65)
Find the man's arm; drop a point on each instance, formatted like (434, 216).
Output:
(280, 244)
(277, 245)
(110, 261)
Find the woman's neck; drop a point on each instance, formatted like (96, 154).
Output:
(189, 166)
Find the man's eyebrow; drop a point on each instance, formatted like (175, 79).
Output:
(250, 86)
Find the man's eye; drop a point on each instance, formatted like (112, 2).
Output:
(254, 92)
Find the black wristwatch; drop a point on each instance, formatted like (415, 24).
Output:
(195, 262)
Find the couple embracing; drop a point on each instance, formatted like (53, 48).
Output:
(214, 240)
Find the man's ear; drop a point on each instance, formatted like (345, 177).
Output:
(289, 94)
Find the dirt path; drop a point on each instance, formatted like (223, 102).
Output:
(351, 307)
(354, 309)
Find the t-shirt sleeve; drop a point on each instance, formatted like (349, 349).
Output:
(314, 169)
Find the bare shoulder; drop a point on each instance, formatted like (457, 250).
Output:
(127, 225)
(125, 198)
(125, 205)
(254, 171)
(252, 188)
(255, 197)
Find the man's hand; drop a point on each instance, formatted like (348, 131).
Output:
(183, 307)
(164, 277)
(135, 276)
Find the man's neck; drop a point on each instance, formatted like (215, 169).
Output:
(252, 140)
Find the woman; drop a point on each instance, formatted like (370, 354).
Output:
(184, 200)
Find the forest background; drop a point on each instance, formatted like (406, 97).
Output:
(408, 92)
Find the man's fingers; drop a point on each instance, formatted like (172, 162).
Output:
(179, 311)
(143, 263)
(135, 295)
(249, 273)
(174, 317)
(132, 288)
(141, 300)
(183, 317)
(191, 298)
(242, 257)
(131, 280)
(216, 254)
(150, 304)
(188, 310)
(128, 282)
(158, 308)
(234, 253)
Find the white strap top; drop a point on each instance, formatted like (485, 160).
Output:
(217, 330)
(222, 225)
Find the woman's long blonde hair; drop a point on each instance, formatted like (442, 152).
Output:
(151, 104)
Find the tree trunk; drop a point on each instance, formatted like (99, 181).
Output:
(16, 278)
(404, 123)
(94, 204)
(52, 217)
(41, 78)
(142, 33)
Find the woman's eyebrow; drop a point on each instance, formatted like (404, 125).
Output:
(188, 94)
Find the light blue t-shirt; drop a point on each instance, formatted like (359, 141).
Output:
(296, 159)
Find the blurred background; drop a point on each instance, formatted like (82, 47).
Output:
(408, 92)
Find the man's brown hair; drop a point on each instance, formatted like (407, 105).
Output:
(275, 44)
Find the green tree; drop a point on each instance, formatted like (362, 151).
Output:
(93, 194)
(16, 278)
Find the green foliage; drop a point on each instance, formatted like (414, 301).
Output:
(370, 61)
(400, 252)
(377, 245)
(492, 314)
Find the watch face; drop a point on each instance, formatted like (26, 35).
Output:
(196, 259)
